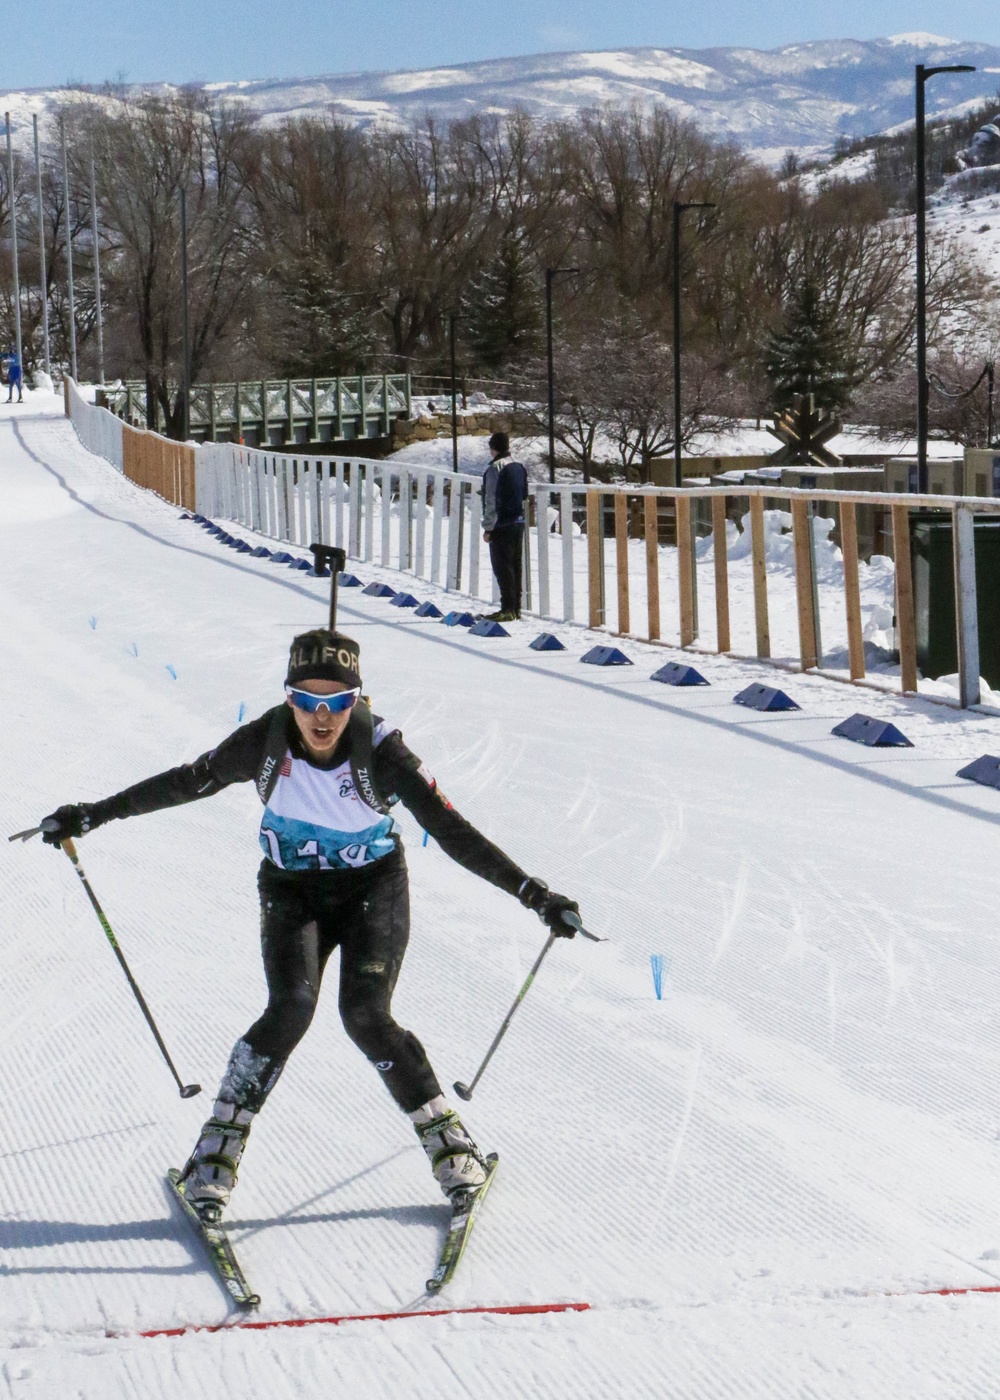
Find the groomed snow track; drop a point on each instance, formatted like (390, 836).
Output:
(753, 1182)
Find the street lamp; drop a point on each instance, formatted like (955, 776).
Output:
(13, 248)
(71, 300)
(923, 387)
(186, 415)
(551, 273)
(43, 275)
(679, 209)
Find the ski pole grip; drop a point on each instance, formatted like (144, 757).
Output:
(575, 922)
(336, 557)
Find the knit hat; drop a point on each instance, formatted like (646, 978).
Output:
(500, 443)
(324, 656)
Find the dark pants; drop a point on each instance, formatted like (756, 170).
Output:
(506, 544)
(367, 915)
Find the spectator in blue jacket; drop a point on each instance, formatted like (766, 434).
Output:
(14, 376)
(505, 489)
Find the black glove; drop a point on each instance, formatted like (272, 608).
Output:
(71, 821)
(550, 908)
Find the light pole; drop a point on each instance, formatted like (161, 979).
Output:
(43, 273)
(69, 251)
(923, 387)
(13, 249)
(97, 269)
(186, 415)
(679, 209)
(551, 273)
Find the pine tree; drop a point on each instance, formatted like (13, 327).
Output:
(504, 308)
(810, 354)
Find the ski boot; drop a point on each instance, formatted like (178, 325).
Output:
(210, 1173)
(456, 1161)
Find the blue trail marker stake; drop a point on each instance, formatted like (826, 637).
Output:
(424, 841)
(659, 965)
(171, 671)
(93, 623)
(243, 710)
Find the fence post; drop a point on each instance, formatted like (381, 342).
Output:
(354, 513)
(621, 559)
(304, 471)
(455, 503)
(905, 621)
(595, 556)
(759, 551)
(421, 530)
(542, 535)
(338, 524)
(405, 520)
(264, 431)
(566, 526)
(852, 591)
(650, 511)
(966, 610)
(804, 589)
(720, 551)
(436, 526)
(475, 532)
(685, 570)
(386, 512)
(325, 470)
(290, 410)
(369, 509)
(315, 408)
(526, 560)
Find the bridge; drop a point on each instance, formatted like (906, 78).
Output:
(278, 412)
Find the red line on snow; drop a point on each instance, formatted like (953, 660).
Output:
(511, 1310)
(953, 1292)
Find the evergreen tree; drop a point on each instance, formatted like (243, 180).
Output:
(810, 354)
(504, 308)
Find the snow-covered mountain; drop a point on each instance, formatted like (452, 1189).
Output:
(801, 96)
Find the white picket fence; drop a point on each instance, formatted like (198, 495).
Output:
(592, 553)
(98, 430)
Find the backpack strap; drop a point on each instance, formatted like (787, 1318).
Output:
(361, 728)
(275, 749)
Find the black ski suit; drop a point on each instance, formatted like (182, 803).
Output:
(307, 912)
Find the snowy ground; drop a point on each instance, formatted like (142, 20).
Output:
(737, 1178)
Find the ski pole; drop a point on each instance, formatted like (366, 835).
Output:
(324, 554)
(188, 1091)
(465, 1091)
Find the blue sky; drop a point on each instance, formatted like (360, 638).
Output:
(50, 42)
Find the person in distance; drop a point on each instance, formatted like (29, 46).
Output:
(505, 489)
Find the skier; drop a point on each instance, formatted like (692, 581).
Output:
(14, 376)
(333, 874)
(505, 488)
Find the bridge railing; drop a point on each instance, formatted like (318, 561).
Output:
(291, 409)
(595, 555)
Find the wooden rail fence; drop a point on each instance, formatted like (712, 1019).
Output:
(430, 522)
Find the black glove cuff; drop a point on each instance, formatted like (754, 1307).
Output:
(532, 893)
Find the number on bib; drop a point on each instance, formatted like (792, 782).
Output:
(355, 855)
(310, 850)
